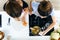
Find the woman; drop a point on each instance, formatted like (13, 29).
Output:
(21, 3)
(16, 30)
(15, 10)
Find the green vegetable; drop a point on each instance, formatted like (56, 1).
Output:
(55, 36)
(58, 30)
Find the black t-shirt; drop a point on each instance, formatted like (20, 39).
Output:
(38, 21)
(25, 5)
(43, 23)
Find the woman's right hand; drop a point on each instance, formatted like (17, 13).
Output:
(24, 23)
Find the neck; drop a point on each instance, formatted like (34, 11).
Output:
(17, 19)
(43, 16)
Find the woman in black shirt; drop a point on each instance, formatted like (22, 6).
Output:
(45, 21)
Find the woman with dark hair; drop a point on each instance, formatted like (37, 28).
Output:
(45, 20)
(14, 10)
(18, 27)
(21, 3)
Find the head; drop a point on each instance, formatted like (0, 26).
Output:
(1, 35)
(19, 1)
(15, 0)
(12, 0)
(14, 9)
(45, 8)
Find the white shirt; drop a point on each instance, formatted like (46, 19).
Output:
(16, 29)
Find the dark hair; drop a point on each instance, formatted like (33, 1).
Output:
(25, 5)
(11, 0)
(13, 9)
(44, 8)
(4, 7)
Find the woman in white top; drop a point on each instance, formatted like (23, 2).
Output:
(18, 28)
(22, 3)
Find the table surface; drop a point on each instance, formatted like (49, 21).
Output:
(32, 38)
(29, 37)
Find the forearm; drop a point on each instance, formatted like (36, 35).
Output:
(49, 28)
(30, 6)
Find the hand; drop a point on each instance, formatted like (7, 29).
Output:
(24, 23)
(44, 32)
(41, 33)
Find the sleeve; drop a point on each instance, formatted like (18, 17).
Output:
(52, 13)
(35, 5)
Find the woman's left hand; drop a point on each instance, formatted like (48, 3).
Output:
(44, 33)
(41, 33)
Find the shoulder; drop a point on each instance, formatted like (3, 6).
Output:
(52, 13)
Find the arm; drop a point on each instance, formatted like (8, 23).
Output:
(25, 12)
(30, 8)
(23, 17)
(51, 26)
